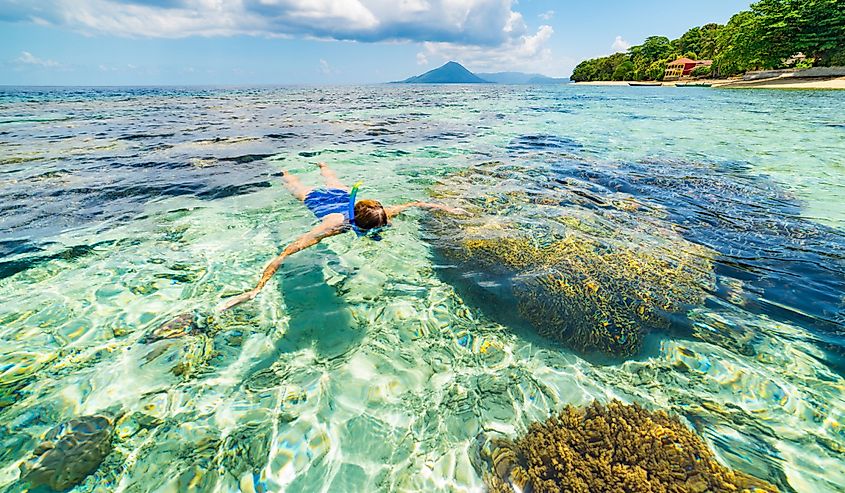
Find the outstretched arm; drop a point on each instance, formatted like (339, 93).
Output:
(395, 210)
(316, 235)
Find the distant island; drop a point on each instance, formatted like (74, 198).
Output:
(449, 73)
(770, 35)
(455, 73)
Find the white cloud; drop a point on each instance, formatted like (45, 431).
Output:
(526, 53)
(515, 24)
(422, 59)
(477, 22)
(620, 44)
(547, 15)
(127, 67)
(28, 58)
(325, 69)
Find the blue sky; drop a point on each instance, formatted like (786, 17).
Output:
(150, 42)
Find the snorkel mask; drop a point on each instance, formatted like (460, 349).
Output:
(374, 233)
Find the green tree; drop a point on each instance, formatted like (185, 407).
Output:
(739, 47)
(689, 43)
(598, 68)
(709, 41)
(814, 27)
(582, 72)
(624, 71)
(644, 56)
(774, 28)
(702, 71)
(657, 69)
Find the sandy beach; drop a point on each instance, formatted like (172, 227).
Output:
(777, 83)
(789, 83)
(602, 83)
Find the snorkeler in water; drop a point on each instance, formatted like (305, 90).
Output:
(338, 211)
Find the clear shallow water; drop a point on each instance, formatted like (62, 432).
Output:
(359, 368)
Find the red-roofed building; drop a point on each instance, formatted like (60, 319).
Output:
(683, 67)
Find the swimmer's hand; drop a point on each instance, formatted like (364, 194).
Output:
(237, 300)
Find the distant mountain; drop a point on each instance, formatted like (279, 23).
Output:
(521, 78)
(455, 73)
(450, 73)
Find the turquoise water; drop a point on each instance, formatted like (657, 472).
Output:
(361, 367)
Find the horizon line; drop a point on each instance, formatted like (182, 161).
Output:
(302, 84)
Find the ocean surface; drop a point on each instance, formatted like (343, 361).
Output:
(363, 366)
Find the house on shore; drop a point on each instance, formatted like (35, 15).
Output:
(683, 67)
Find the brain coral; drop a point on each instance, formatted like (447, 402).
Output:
(612, 448)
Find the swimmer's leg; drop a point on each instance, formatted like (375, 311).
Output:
(295, 186)
(332, 181)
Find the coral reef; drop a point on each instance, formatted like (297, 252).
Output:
(179, 326)
(591, 297)
(594, 280)
(69, 453)
(612, 448)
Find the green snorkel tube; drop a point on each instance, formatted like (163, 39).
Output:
(352, 194)
(373, 234)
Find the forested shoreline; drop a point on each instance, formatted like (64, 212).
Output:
(764, 37)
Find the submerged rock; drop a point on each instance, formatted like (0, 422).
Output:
(609, 448)
(184, 341)
(183, 324)
(69, 453)
(184, 356)
(593, 273)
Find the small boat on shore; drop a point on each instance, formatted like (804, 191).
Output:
(645, 84)
(692, 84)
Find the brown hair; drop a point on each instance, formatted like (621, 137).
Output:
(369, 214)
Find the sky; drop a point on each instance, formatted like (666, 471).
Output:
(256, 42)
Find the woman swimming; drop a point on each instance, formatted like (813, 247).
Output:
(338, 211)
